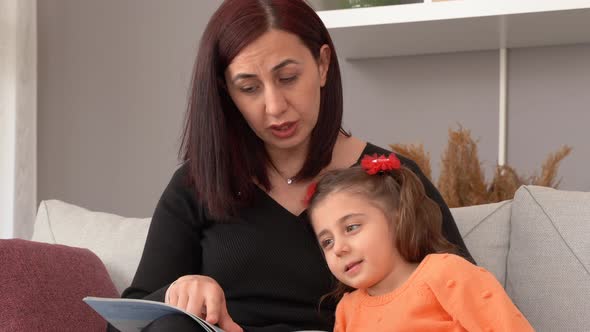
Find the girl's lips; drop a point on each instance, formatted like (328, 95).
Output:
(284, 130)
(352, 267)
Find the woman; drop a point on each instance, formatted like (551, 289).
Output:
(227, 240)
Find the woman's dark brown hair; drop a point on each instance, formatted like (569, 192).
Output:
(416, 220)
(222, 152)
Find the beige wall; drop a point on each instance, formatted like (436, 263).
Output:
(415, 99)
(113, 82)
(549, 105)
(114, 77)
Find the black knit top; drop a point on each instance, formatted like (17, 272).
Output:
(267, 262)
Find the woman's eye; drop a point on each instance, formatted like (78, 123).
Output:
(326, 243)
(248, 89)
(351, 228)
(288, 79)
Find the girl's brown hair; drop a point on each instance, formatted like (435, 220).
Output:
(416, 219)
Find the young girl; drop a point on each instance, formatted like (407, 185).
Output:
(381, 237)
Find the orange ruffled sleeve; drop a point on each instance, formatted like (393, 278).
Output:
(473, 296)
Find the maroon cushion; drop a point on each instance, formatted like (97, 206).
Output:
(42, 287)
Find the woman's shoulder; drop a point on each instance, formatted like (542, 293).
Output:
(353, 147)
(181, 174)
(371, 149)
(180, 184)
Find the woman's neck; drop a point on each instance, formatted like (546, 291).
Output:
(288, 162)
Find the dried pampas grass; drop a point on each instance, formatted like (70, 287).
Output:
(416, 153)
(462, 181)
(461, 176)
(504, 184)
(549, 168)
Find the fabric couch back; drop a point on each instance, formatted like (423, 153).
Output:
(486, 232)
(118, 241)
(548, 265)
(537, 246)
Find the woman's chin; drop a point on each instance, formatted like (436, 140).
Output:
(293, 143)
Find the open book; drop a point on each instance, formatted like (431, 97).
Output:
(132, 315)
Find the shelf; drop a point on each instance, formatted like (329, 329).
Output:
(456, 26)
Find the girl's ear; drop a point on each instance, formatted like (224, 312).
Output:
(324, 63)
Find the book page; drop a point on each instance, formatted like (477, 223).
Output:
(132, 315)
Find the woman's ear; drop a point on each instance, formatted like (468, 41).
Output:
(324, 63)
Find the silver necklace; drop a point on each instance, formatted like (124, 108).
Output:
(290, 180)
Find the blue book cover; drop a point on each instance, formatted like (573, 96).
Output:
(132, 315)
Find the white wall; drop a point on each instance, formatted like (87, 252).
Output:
(18, 130)
(416, 99)
(549, 105)
(114, 76)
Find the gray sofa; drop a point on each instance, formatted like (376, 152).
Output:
(537, 245)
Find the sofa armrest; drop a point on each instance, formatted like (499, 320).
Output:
(43, 286)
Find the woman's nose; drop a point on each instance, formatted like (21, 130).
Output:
(275, 101)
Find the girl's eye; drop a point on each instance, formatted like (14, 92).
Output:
(326, 243)
(353, 227)
(288, 79)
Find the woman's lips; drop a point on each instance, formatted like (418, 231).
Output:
(284, 130)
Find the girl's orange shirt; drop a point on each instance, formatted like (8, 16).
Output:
(445, 293)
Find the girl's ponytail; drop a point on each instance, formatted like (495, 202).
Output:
(419, 227)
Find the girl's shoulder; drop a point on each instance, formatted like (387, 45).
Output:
(449, 270)
(347, 302)
(450, 265)
(351, 299)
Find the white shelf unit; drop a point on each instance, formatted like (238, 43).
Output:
(456, 26)
(459, 26)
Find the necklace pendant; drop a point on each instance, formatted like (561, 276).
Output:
(289, 181)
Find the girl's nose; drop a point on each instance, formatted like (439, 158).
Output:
(341, 248)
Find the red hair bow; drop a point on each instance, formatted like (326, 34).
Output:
(310, 192)
(375, 164)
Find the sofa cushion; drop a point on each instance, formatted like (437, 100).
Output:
(548, 268)
(486, 232)
(116, 240)
(42, 286)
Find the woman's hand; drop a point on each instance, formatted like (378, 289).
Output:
(202, 296)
